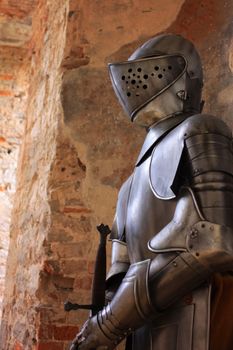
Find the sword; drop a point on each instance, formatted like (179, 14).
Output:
(98, 284)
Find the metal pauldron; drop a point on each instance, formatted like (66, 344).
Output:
(207, 141)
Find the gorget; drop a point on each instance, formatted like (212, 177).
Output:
(156, 132)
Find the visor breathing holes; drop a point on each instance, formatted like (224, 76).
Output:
(140, 80)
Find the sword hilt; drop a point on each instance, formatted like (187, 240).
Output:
(68, 306)
(104, 231)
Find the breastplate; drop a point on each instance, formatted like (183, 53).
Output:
(146, 214)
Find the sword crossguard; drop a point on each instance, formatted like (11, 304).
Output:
(68, 306)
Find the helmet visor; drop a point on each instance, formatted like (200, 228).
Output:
(138, 82)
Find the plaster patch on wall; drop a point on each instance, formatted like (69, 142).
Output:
(14, 32)
(225, 96)
(100, 33)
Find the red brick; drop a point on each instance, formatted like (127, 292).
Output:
(51, 345)
(48, 268)
(91, 267)
(2, 139)
(6, 93)
(18, 346)
(6, 77)
(45, 332)
(84, 283)
(65, 332)
(76, 210)
(63, 283)
(14, 8)
(72, 266)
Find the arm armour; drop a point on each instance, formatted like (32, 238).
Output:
(197, 243)
(119, 266)
(120, 260)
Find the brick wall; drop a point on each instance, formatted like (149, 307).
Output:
(19, 9)
(15, 22)
(23, 306)
(15, 28)
(13, 97)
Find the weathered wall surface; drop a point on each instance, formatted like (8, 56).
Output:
(23, 304)
(16, 22)
(13, 96)
(209, 25)
(15, 29)
(70, 171)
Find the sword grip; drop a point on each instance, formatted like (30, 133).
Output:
(98, 286)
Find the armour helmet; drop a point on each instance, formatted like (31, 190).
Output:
(165, 61)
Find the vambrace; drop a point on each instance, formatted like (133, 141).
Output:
(149, 288)
(131, 305)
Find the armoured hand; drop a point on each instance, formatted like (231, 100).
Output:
(91, 337)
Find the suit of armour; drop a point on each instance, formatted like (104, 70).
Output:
(172, 237)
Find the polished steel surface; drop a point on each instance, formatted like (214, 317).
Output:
(120, 259)
(138, 82)
(212, 245)
(118, 228)
(166, 62)
(119, 251)
(164, 168)
(156, 132)
(131, 305)
(173, 236)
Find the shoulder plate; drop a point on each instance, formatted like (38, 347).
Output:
(167, 154)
